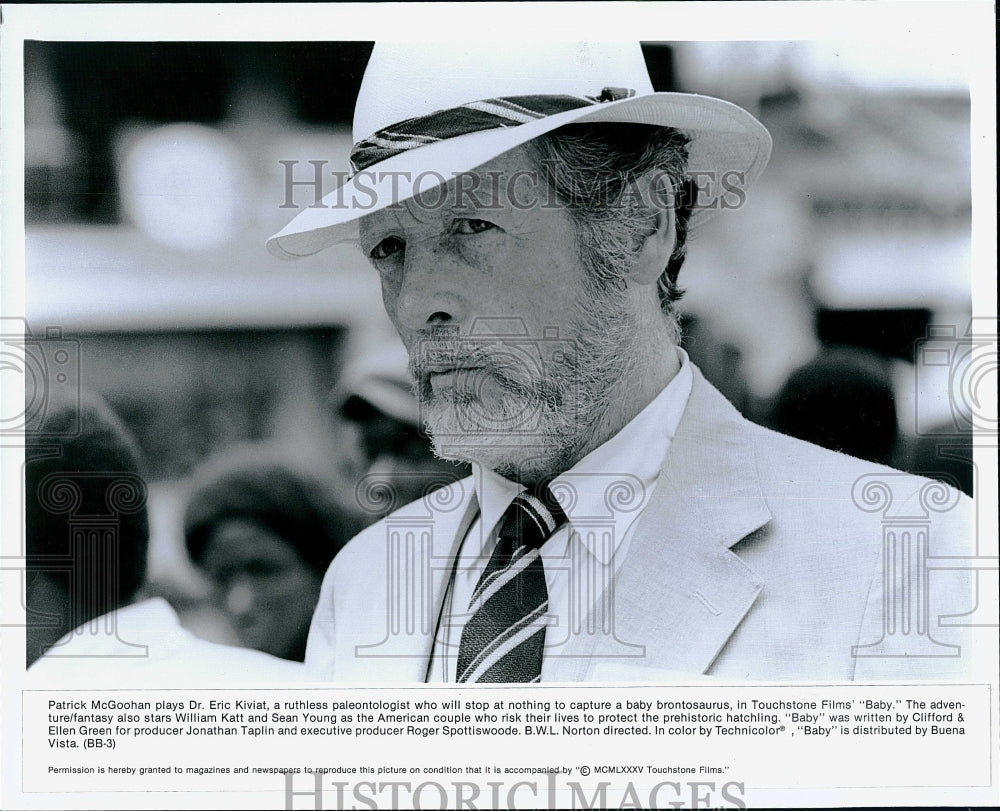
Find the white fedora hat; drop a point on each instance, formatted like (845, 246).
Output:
(428, 111)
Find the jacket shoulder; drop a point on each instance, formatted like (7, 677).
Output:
(782, 459)
(844, 495)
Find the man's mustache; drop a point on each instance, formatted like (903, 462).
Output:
(442, 357)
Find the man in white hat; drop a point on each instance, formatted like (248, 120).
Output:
(527, 209)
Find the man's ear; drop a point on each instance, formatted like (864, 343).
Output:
(656, 245)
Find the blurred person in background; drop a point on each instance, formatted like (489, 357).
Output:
(263, 532)
(397, 464)
(72, 477)
(87, 538)
(842, 400)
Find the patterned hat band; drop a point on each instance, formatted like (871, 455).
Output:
(475, 116)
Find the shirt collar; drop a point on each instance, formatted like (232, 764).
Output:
(626, 466)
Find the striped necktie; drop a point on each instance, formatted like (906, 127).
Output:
(504, 637)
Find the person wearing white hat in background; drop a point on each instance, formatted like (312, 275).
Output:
(395, 463)
(527, 209)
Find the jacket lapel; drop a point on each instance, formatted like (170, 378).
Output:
(422, 542)
(680, 592)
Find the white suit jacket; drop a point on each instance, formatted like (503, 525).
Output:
(758, 557)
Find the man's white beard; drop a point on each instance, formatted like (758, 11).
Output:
(513, 430)
(528, 421)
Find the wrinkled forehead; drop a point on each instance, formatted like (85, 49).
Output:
(508, 186)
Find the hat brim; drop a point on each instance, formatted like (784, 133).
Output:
(729, 149)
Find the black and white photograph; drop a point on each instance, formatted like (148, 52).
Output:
(472, 359)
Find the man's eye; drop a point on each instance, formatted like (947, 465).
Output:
(472, 226)
(386, 248)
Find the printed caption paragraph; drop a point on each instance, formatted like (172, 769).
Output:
(195, 740)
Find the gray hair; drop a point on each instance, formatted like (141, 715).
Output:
(592, 170)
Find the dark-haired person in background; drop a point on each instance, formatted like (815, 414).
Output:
(842, 400)
(79, 570)
(264, 533)
(87, 537)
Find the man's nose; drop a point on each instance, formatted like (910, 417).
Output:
(430, 293)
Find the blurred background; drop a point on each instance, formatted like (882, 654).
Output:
(155, 171)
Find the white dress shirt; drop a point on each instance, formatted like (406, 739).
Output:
(603, 496)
